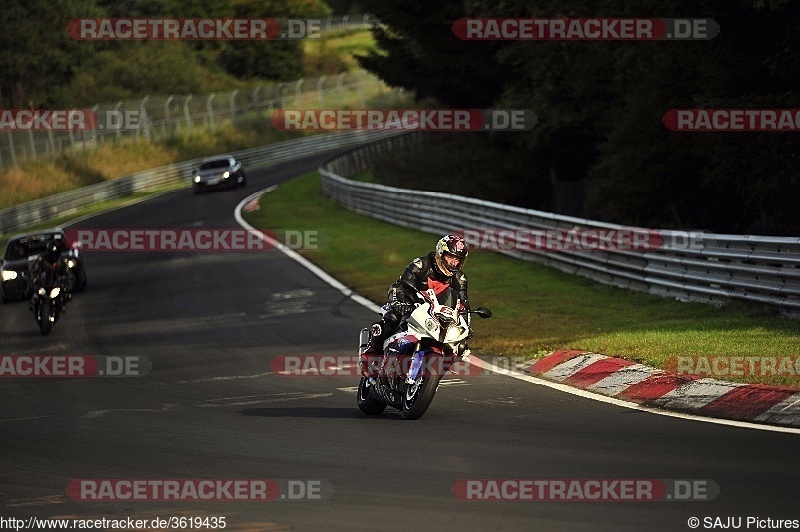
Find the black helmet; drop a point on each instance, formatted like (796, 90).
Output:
(51, 251)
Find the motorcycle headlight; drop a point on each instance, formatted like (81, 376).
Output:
(8, 275)
(70, 263)
(226, 175)
(54, 292)
(197, 179)
(41, 291)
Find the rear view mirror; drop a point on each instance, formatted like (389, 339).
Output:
(483, 312)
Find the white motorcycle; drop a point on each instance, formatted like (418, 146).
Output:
(416, 356)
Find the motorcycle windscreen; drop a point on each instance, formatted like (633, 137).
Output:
(448, 297)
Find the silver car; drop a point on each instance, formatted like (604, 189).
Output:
(222, 171)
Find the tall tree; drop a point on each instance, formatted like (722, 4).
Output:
(278, 59)
(601, 104)
(419, 52)
(37, 56)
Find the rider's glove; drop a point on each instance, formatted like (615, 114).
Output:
(401, 307)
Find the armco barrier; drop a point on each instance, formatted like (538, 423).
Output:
(713, 268)
(37, 211)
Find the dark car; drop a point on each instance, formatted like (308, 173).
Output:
(223, 171)
(22, 249)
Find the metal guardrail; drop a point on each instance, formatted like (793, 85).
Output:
(712, 268)
(37, 211)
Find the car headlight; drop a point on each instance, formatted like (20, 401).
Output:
(54, 292)
(226, 175)
(8, 275)
(197, 179)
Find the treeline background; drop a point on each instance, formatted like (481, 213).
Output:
(42, 66)
(600, 149)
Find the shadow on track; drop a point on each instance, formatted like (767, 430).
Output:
(313, 412)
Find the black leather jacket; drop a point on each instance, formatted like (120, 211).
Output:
(421, 274)
(45, 272)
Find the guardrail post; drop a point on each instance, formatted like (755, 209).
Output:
(52, 143)
(168, 117)
(232, 102)
(12, 149)
(116, 110)
(278, 97)
(71, 136)
(210, 113)
(33, 145)
(95, 131)
(320, 92)
(186, 114)
(298, 92)
(142, 118)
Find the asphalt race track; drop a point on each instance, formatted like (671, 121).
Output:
(210, 408)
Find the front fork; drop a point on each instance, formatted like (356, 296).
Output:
(417, 360)
(35, 305)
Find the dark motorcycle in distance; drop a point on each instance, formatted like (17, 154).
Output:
(416, 356)
(48, 301)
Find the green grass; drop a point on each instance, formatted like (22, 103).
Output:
(536, 309)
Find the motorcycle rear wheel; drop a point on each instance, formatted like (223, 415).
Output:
(368, 404)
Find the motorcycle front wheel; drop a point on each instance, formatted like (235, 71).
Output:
(418, 396)
(44, 321)
(368, 404)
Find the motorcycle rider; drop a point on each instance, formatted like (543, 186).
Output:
(439, 269)
(49, 267)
